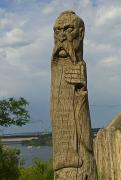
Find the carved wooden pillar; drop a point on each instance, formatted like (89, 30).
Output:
(71, 126)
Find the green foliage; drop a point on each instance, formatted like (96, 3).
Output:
(44, 139)
(13, 111)
(27, 173)
(41, 170)
(9, 161)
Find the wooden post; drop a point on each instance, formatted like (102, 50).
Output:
(71, 126)
(107, 150)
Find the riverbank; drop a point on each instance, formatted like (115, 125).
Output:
(43, 140)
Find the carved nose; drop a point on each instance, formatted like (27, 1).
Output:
(62, 37)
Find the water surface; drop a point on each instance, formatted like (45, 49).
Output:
(28, 153)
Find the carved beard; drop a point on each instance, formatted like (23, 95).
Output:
(64, 49)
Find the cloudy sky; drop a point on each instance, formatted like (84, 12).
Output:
(26, 42)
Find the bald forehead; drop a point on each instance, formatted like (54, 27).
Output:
(67, 19)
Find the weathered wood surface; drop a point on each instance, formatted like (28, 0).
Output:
(71, 127)
(107, 150)
(115, 123)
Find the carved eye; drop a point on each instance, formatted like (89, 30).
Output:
(57, 30)
(70, 29)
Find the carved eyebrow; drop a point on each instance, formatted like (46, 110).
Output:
(68, 26)
(64, 27)
(57, 27)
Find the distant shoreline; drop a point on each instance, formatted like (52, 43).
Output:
(43, 140)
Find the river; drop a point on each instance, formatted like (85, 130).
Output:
(29, 153)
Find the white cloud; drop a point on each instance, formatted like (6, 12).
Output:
(94, 47)
(15, 37)
(108, 16)
(4, 23)
(11, 19)
(3, 93)
(110, 61)
(2, 53)
(85, 3)
(48, 10)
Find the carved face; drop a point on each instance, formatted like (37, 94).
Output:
(68, 34)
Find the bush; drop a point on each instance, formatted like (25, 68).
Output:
(41, 170)
(9, 161)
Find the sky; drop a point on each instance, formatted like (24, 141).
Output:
(26, 43)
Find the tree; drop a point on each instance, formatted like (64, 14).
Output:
(9, 161)
(13, 112)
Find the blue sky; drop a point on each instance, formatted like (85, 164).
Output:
(26, 42)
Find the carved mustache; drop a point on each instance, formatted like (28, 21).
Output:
(67, 47)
